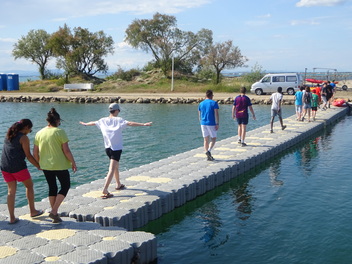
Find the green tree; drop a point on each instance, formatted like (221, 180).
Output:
(165, 41)
(222, 56)
(34, 47)
(81, 52)
(256, 74)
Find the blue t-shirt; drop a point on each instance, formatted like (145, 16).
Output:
(207, 115)
(298, 98)
(241, 103)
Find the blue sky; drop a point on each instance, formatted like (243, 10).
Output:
(278, 35)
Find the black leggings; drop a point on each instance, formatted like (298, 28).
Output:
(64, 179)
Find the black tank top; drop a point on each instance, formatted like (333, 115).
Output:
(13, 156)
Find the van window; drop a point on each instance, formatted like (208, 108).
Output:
(291, 78)
(278, 78)
(266, 79)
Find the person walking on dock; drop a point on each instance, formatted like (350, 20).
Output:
(240, 113)
(307, 101)
(55, 158)
(276, 99)
(314, 104)
(298, 103)
(14, 168)
(111, 127)
(208, 113)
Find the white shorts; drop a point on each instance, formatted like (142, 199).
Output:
(209, 131)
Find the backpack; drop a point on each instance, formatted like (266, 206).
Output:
(307, 98)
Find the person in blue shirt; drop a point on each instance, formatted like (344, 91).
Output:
(208, 112)
(298, 103)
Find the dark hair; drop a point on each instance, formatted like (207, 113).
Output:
(279, 89)
(53, 117)
(18, 126)
(209, 93)
(243, 90)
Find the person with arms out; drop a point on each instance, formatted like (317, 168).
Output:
(240, 113)
(298, 103)
(55, 158)
(208, 114)
(14, 168)
(111, 127)
(276, 102)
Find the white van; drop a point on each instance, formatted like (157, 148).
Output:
(290, 83)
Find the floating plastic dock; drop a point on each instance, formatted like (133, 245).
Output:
(101, 231)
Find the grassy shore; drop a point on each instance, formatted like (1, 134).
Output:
(147, 85)
(149, 88)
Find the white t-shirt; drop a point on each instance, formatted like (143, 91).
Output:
(276, 98)
(111, 128)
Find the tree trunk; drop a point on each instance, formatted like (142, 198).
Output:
(218, 77)
(42, 72)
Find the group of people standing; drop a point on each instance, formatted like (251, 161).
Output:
(52, 155)
(309, 99)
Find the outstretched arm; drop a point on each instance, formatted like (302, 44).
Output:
(91, 123)
(129, 123)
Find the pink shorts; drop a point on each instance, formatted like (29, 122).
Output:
(19, 176)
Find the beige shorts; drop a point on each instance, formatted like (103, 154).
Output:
(208, 131)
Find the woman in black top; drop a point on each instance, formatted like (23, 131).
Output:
(14, 167)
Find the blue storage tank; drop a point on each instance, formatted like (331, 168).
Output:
(3, 82)
(13, 82)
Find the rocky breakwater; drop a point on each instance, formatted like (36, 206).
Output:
(111, 99)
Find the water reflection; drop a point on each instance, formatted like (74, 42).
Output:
(274, 172)
(243, 201)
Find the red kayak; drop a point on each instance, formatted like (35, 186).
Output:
(314, 81)
(318, 81)
(339, 102)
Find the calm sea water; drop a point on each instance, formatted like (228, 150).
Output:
(293, 209)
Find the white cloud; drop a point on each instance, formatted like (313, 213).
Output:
(123, 45)
(60, 10)
(304, 22)
(8, 40)
(265, 16)
(308, 3)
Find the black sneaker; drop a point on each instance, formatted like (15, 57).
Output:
(209, 156)
(239, 141)
(283, 127)
(56, 218)
(243, 144)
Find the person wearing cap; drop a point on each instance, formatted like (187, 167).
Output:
(111, 127)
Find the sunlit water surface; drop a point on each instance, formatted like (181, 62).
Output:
(295, 208)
